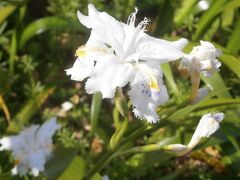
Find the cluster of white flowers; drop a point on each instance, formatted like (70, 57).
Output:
(207, 125)
(117, 54)
(31, 148)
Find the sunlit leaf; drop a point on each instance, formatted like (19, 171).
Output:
(47, 23)
(216, 83)
(4, 107)
(217, 102)
(233, 42)
(66, 164)
(169, 77)
(184, 11)
(208, 17)
(231, 62)
(5, 12)
(28, 110)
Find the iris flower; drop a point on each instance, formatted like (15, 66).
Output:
(31, 148)
(117, 54)
(207, 125)
(201, 60)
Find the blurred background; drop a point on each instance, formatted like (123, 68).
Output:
(38, 39)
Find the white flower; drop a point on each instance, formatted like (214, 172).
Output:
(129, 55)
(202, 59)
(203, 5)
(66, 106)
(207, 125)
(31, 148)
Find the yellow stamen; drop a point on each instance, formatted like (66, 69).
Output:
(17, 162)
(81, 52)
(154, 84)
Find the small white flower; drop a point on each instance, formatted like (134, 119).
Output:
(129, 56)
(66, 106)
(202, 59)
(207, 125)
(31, 148)
(203, 5)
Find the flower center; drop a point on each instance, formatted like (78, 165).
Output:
(81, 51)
(152, 80)
(153, 84)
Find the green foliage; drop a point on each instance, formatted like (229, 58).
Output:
(37, 43)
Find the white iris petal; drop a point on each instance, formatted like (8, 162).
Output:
(147, 92)
(109, 73)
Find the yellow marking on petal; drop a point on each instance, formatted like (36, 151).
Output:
(98, 49)
(81, 52)
(154, 84)
(152, 79)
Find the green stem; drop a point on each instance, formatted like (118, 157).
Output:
(110, 153)
(143, 130)
(140, 149)
(99, 165)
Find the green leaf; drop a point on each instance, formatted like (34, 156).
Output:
(77, 170)
(95, 110)
(231, 62)
(172, 175)
(216, 102)
(184, 11)
(183, 112)
(4, 107)
(66, 164)
(47, 23)
(29, 109)
(209, 34)
(5, 12)
(60, 161)
(227, 17)
(233, 4)
(13, 51)
(216, 83)
(169, 77)
(208, 17)
(115, 139)
(233, 42)
(147, 161)
(228, 13)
